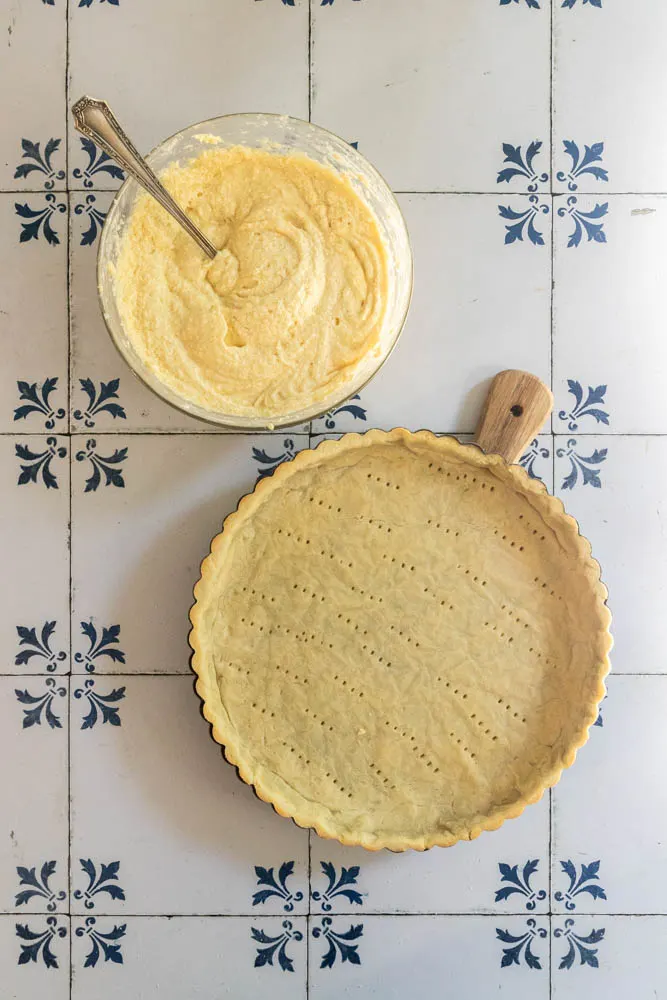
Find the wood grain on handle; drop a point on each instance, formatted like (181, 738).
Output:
(514, 412)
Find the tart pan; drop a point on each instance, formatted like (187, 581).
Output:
(394, 800)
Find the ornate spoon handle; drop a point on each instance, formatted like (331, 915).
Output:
(95, 119)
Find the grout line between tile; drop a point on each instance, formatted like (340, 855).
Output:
(69, 729)
(310, 60)
(493, 192)
(553, 462)
(543, 191)
(476, 914)
(551, 375)
(561, 432)
(310, 832)
(549, 956)
(68, 280)
(551, 188)
(188, 674)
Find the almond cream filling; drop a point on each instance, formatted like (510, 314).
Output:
(291, 305)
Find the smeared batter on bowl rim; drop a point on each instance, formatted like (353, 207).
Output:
(289, 308)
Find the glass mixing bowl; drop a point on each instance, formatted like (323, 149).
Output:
(278, 134)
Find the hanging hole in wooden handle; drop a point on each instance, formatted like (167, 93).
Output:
(515, 410)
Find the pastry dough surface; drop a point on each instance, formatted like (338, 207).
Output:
(400, 640)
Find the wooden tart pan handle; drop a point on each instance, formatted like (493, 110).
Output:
(515, 410)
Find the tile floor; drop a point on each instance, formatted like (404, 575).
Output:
(527, 142)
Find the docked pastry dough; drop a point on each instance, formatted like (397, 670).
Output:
(399, 640)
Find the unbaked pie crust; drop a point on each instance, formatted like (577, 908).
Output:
(399, 640)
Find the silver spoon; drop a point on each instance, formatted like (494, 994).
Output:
(96, 120)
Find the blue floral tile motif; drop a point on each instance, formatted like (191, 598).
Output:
(95, 220)
(522, 166)
(38, 220)
(102, 706)
(520, 946)
(529, 3)
(99, 645)
(573, 3)
(38, 885)
(99, 162)
(533, 455)
(586, 881)
(103, 465)
(339, 886)
(585, 222)
(586, 466)
(271, 462)
(519, 883)
(582, 163)
(356, 411)
(579, 944)
(276, 886)
(589, 407)
(41, 705)
(36, 463)
(105, 882)
(272, 945)
(600, 719)
(102, 943)
(89, 3)
(38, 646)
(339, 943)
(100, 401)
(36, 398)
(520, 222)
(37, 944)
(39, 162)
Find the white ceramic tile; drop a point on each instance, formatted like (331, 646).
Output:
(413, 73)
(114, 399)
(186, 64)
(421, 957)
(34, 630)
(616, 488)
(33, 795)
(25, 977)
(480, 305)
(467, 878)
(153, 797)
(32, 78)
(144, 511)
(609, 302)
(611, 808)
(190, 957)
(609, 958)
(33, 312)
(610, 87)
